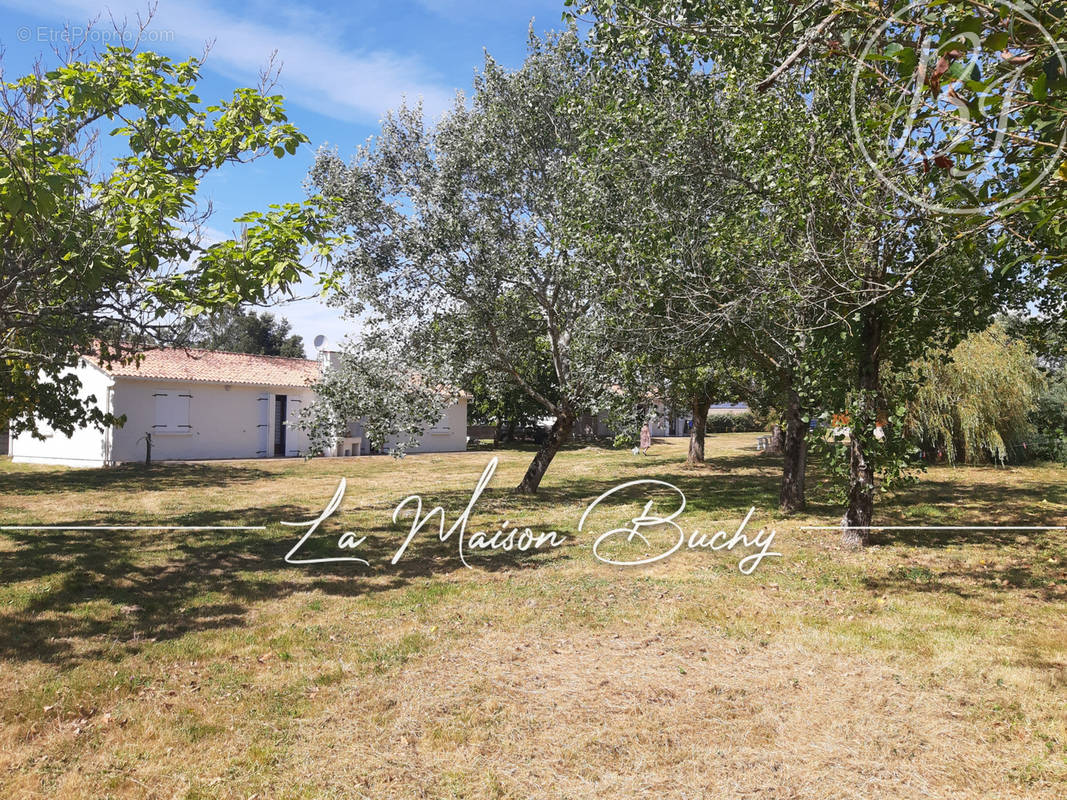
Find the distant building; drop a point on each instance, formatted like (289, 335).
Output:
(667, 422)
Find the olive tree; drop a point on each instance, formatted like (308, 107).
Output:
(373, 380)
(461, 231)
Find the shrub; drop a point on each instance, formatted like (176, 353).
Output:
(1042, 447)
(1049, 420)
(744, 422)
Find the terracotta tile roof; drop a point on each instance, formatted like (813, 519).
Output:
(213, 366)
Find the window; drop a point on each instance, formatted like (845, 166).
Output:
(172, 413)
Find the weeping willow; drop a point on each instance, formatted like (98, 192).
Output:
(973, 403)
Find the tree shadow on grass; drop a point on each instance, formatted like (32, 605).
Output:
(1019, 559)
(728, 485)
(128, 476)
(71, 596)
(968, 581)
(985, 505)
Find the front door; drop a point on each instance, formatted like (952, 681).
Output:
(279, 424)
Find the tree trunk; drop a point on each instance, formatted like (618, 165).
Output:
(701, 404)
(856, 523)
(777, 442)
(795, 448)
(557, 437)
(856, 531)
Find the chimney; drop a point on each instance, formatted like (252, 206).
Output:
(329, 358)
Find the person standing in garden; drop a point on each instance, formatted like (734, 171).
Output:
(646, 439)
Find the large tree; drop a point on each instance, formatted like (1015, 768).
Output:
(821, 271)
(705, 238)
(838, 278)
(657, 174)
(460, 234)
(100, 246)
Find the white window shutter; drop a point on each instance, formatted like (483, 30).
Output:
(181, 413)
(172, 412)
(263, 401)
(162, 411)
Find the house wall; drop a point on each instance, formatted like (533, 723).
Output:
(659, 427)
(668, 422)
(87, 447)
(590, 426)
(450, 434)
(447, 436)
(225, 421)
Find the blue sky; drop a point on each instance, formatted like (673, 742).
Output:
(344, 65)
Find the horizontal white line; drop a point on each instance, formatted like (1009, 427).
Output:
(935, 527)
(133, 527)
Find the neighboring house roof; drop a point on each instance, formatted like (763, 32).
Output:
(214, 366)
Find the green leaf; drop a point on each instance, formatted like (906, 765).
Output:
(906, 61)
(1039, 88)
(996, 42)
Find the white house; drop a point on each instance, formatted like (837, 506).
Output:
(203, 404)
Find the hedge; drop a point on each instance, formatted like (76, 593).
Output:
(744, 422)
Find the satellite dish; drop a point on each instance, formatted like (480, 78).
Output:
(320, 340)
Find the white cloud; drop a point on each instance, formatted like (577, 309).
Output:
(320, 70)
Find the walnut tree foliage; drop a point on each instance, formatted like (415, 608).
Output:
(100, 225)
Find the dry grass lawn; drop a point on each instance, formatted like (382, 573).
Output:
(156, 664)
